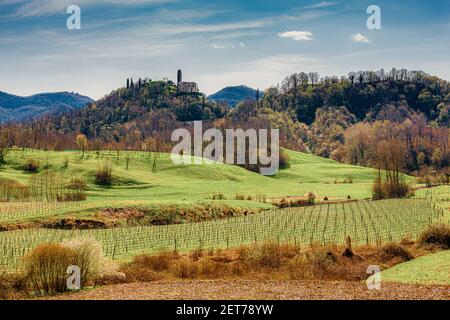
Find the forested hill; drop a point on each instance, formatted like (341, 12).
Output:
(233, 95)
(365, 94)
(148, 106)
(17, 108)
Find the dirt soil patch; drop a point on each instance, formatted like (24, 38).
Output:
(261, 290)
(121, 213)
(80, 224)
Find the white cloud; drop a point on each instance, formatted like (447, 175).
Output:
(308, 15)
(297, 35)
(322, 4)
(218, 46)
(237, 35)
(227, 45)
(359, 37)
(175, 29)
(30, 8)
(185, 15)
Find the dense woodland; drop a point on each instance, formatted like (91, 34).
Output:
(350, 119)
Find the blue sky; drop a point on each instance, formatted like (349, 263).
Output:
(216, 43)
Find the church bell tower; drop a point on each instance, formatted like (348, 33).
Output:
(179, 77)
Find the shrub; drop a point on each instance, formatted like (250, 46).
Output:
(46, 265)
(308, 199)
(390, 188)
(146, 268)
(109, 279)
(138, 274)
(218, 196)
(261, 198)
(31, 166)
(88, 256)
(393, 250)
(377, 189)
(72, 196)
(45, 268)
(47, 186)
(103, 175)
(267, 255)
(284, 159)
(284, 203)
(212, 269)
(316, 263)
(159, 262)
(437, 234)
(321, 258)
(239, 196)
(185, 269)
(76, 190)
(13, 190)
(311, 198)
(196, 254)
(77, 184)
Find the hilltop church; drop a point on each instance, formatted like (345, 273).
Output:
(185, 87)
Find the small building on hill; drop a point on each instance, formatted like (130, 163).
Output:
(185, 87)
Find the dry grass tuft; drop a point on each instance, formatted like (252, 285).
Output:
(160, 262)
(393, 250)
(45, 268)
(12, 286)
(437, 235)
(185, 269)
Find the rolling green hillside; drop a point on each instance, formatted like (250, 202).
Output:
(188, 184)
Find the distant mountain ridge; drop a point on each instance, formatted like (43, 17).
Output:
(17, 108)
(233, 95)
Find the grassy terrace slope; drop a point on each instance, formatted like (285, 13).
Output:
(430, 269)
(185, 185)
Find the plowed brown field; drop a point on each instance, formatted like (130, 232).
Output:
(261, 290)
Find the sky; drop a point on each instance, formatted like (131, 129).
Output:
(216, 43)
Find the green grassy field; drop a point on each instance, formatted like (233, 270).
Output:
(430, 269)
(187, 185)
